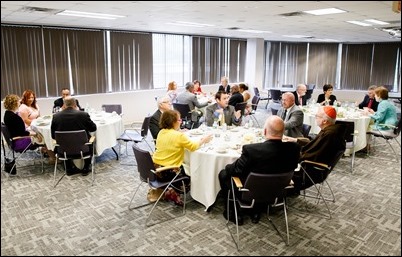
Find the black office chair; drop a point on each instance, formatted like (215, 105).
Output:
(242, 107)
(113, 108)
(306, 130)
(254, 105)
(185, 114)
(262, 98)
(276, 95)
(136, 136)
(350, 138)
(148, 174)
(259, 188)
(70, 145)
(17, 154)
(287, 86)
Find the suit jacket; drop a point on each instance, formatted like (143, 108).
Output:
(236, 98)
(229, 112)
(293, 121)
(191, 99)
(59, 103)
(154, 123)
(71, 119)
(271, 156)
(304, 99)
(227, 89)
(365, 102)
(15, 124)
(321, 98)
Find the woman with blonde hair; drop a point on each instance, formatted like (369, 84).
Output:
(172, 91)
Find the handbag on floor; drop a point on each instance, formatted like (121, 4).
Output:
(9, 166)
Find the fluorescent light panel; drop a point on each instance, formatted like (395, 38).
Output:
(325, 11)
(377, 22)
(90, 15)
(360, 23)
(193, 23)
(253, 31)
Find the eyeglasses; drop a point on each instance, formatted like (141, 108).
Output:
(318, 116)
(166, 102)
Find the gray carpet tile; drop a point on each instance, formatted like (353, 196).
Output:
(76, 218)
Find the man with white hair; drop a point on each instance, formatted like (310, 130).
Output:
(164, 104)
(300, 95)
(292, 115)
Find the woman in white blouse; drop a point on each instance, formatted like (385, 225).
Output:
(29, 109)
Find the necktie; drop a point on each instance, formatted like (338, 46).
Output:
(370, 103)
(284, 114)
(222, 117)
(300, 101)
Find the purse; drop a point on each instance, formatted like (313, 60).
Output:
(9, 166)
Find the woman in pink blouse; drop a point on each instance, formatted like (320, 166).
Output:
(29, 109)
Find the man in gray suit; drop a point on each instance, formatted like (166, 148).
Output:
(188, 97)
(222, 111)
(292, 115)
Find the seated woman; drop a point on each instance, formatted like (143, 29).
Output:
(197, 87)
(246, 96)
(29, 109)
(170, 145)
(16, 126)
(385, 114)
(172, 91)
(327, 98)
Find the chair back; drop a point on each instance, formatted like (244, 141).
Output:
(184, 110)
(256, 91)
(309, 93)
(241, 106)
(144, 164)
(397, 129)
(6, 135)
(287, 86)
(310, 86)
(254, 102)
(145, 126)
(276, 95)
(113, 108)
(306, 130)
(265, 188)
(349, 127)
(72, 143)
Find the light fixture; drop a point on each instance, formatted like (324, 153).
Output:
(298, 36)
(325, 11)
(360, 23)
(190, 24)
(90, 15)
(377, 22)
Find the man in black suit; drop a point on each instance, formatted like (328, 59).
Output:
(224, 85)
(300, 95)
(236, 96)
(164, 104)
(58, 103)
(369, 100)
(271, 156)
(70, 118)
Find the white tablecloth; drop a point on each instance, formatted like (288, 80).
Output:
(109, 128)
(348, 114)
(205, 164)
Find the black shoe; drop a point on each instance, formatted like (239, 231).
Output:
(72, 171)
(232, 217)
(255, 218)
(85, 171)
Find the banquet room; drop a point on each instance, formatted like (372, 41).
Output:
(116, 59)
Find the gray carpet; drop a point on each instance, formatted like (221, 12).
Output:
(76, 218)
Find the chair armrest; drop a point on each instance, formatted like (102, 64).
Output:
(322, 165)
(92, 139)
(54, 142)
(167, 168)
(237, 182)
(387, 125)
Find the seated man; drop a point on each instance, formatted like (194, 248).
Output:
(164, 104)
(292, 115)
(236, 96)
(323, 148)
(188, 97)
(224, 85)
(300, 95)
(271, 156)
(72, 119)
(369, 100)
(221, 111)
(58, 103)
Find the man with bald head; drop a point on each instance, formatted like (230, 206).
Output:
(292, 115)
(300, 95)
(270, 156)
(164, 104)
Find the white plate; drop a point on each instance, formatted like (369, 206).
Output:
(196, 132)
(235, 130)
(221, 150)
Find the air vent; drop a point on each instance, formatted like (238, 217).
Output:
(233, 28)
(31, 9)
(292, 14)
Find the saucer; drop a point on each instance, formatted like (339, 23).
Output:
(221, 150)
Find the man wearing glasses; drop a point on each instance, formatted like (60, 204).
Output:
(58, 103)
(164, 104)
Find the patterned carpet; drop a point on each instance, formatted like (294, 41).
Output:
(76, 218)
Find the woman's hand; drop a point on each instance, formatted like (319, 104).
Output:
(206, 139)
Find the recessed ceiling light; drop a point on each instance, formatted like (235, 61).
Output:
(360, 23)
(377, 22)
(325, 11)
(90, 15)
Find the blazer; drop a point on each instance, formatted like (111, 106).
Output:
(154, 123)
(59, 103)
(365, 103)
(191, 99)
(293, 121)
(71, 119)
(321, 98)
(304, 99)
(236, 98)
(227, 89)
(271, 156)
(229, 112)
(15, 124)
